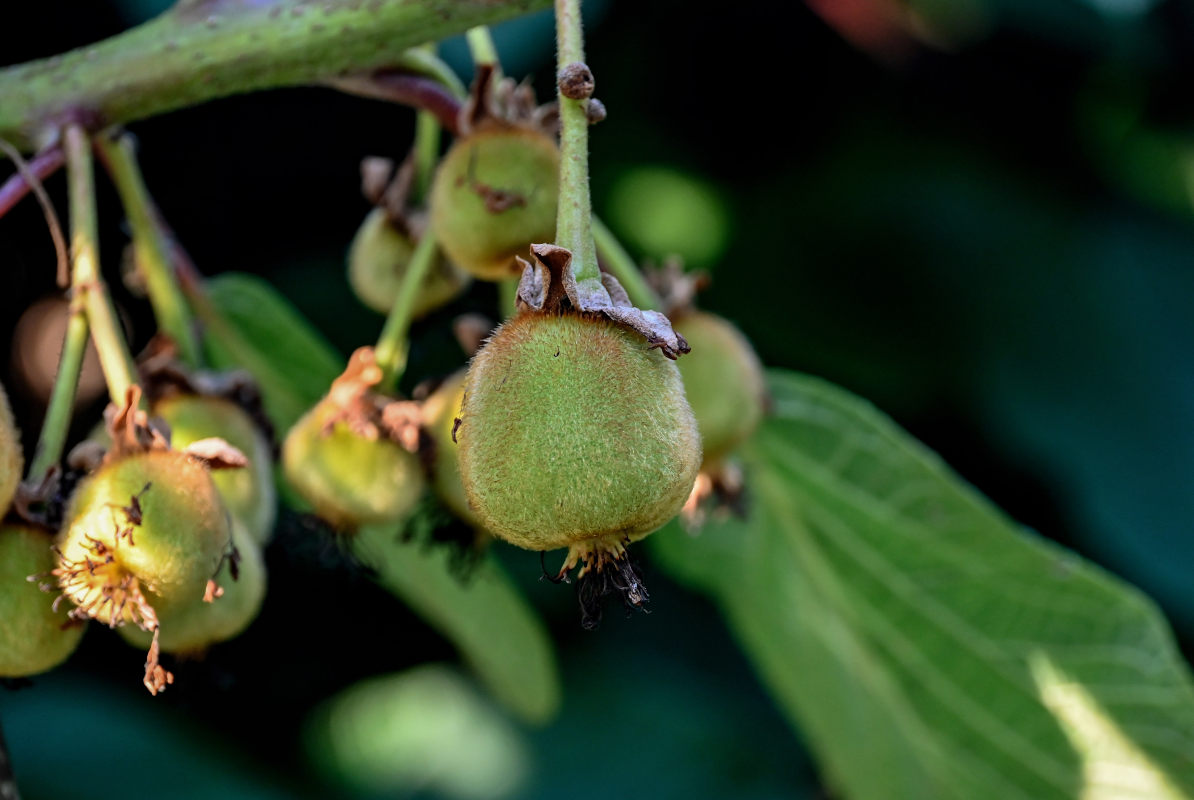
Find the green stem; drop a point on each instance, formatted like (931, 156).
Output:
(87, 284)
(508, 297)
(199, 51)
(482, 48)
(619, 264)
(52, 440)
(427, 136)
(573, 217)
(151, 250)
(391, 345)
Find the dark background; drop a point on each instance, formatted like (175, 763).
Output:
(982, 223)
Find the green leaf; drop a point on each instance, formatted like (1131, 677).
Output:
(249, 325)
(482, 613)
(926, 645)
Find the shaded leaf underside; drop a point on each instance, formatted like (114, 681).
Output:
(926, 645)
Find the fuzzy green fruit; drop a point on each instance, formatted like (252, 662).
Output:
(493, 196)
(33, 636)
(377, 262)
(440, 411)
(147, 529)
(574, 433)
(349, 479)
(724, 381)
(12, 459)
(248, 493)
(194, 627)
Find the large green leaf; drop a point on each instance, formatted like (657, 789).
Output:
(249, 325)
(482, 613)
(926, 645)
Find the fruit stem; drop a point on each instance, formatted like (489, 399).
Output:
(52, 439)
(573, 224)
(427, 136)
(151, 251)
(391, 345)
(87, 284)
(483, 50)
(199, 51)
(619, 263)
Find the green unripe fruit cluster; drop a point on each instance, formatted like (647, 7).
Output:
(350, 479)
(33, 636)
(494, 195)
(724, 381)
(194, 627)
(377, 264)
(12, 460)
(150, 522)
(248, 493)
(574, 433)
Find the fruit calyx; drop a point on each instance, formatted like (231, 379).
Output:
(505, 103)
(549, 286)
(369, 413)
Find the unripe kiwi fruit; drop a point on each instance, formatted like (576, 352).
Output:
(349, 479)
(194, 627)
(12, 459)
(377, 263)
(724, 381)
(494, 195)
(248, 493)
(574, 433)
(33, 636)
(439, 415)
(150, 523)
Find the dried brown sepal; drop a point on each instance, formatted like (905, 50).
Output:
(215, 453)
(157, 677)
(34, 499)
(676, 289)
(366, 412)
(503, 102)
(131, 429)
(549, 286)
(595, 111)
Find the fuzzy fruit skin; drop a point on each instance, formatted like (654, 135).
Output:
(183, 534)
(248, 493)
(440, 411)
(348, 479)
(573, 430)
(12, 459)
(508, 159)
(724, 381)
(377, 263)
(194, 627)
(32, 636)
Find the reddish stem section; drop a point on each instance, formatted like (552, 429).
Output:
(45, 164)
(402, 87)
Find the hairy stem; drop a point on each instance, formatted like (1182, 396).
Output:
(52, 438)
(151, 250)
(87, 284)
(619, 264)
(573, 224)
(391, 345)
(483, 50)
(200, 50)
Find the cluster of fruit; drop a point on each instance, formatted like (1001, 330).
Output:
(577, 425)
